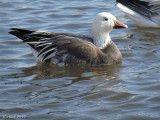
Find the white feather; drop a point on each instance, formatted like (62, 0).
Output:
(41, 55)
(102, 28)
(35, 54)
(139, 19)
(51, 56)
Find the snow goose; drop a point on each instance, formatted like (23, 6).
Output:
(72, 49)
(146, 13)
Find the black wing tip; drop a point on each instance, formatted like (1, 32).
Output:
(19, 32)
(15, 32)
(12, 30)
(134, 3)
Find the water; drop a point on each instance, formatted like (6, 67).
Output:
(30, 91)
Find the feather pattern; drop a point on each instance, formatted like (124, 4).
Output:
(73, 49)
(146, 13)
(56, 45)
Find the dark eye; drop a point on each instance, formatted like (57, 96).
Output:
(106, 19)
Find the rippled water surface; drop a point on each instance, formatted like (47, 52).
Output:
(30, 91)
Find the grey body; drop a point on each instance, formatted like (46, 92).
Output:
(68, 49)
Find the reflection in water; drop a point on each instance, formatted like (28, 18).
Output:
(45, 91)
(151, 34)
(68, 75)
(49, 71)
(54, 87)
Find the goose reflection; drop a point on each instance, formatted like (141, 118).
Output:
(52, 81)
(76, 73)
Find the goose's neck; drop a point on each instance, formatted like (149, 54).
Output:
(101, 40)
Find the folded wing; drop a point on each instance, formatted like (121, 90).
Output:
(59, 48)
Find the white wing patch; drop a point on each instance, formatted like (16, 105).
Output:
(47, 51)
(140, 20)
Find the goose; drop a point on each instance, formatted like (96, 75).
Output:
(145, 13)
(75, 49)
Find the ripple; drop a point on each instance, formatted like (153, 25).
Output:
(44, 91)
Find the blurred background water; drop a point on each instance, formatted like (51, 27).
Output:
(32, 91)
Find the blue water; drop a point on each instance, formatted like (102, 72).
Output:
(32, 91)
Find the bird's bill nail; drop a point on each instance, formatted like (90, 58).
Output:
(119, 25)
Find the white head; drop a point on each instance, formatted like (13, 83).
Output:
(103, 24)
